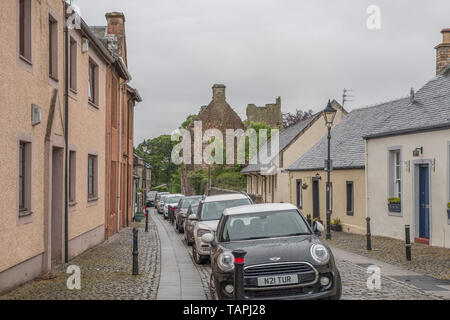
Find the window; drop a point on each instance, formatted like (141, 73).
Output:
(350, 198)
(72, 175)
(93, 82)
(24, 177)
(73, 65)
(299, 193)
(92, 177)
(52, 48)
(395, 173)
(25, 29)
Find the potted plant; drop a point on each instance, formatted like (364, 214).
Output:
(304, 186)
(448, 211)
(395, 205)
(308, 219)
(336, 225)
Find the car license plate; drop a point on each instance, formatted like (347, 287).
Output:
(278, 280)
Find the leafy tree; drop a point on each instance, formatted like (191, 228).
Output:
(290, 119)
(159, 152)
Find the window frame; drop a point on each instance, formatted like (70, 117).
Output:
(52, 47)
(92, 190)
(24, 176)
(352, 198)
(73, 65)
(72, 177)
(395, 167)
(299, 193)
(25, 18)
(93, 83)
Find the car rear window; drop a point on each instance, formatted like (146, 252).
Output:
(186, 202)
(173, 199)
(213, 210)
(263, 225)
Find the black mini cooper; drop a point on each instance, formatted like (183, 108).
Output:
(285, 258)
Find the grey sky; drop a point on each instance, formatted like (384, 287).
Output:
(304, 51)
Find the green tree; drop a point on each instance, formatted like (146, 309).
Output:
(159, 152)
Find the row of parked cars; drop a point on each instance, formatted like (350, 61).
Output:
(285, 258)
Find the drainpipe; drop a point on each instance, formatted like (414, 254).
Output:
(66, 141)
(122, 84)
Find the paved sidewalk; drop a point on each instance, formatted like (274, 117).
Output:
(431, 286)
(180, 279)
(106, 272)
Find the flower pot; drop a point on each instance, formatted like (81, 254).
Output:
(395, 207)
(336, 227)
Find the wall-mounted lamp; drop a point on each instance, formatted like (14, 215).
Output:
(318, 177)
(417, 152)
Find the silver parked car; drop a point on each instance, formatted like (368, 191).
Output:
(208, 216)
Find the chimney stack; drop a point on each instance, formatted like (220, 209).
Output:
(218, 92)
(443, 52)
(116, 23)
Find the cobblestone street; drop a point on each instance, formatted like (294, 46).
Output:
(106, 272)
(168, 271)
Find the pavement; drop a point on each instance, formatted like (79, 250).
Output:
(180, 279)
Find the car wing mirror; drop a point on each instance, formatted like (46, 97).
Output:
(192, 217)
(318, 228)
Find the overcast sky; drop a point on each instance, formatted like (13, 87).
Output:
(304, 51)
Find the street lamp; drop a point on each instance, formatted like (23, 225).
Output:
(144, 146)
(328, 114)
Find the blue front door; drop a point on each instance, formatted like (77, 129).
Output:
(424, 202)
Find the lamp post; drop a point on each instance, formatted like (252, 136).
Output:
(144, 146)
(329, 113)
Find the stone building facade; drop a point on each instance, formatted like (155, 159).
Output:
(217, 115)
(269, 114)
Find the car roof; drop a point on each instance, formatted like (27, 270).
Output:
(175, 195)
(192, 197)
(224, 197)
(255, 208)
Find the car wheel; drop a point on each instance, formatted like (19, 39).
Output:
(199, 259)
(188, 241)
(338, 294)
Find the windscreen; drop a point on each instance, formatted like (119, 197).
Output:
(213, 210)
(173, 199)
(186, 202)
(264, 225)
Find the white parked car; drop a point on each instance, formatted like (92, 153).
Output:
(170, 204)
(208, 215)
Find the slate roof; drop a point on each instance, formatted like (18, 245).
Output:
(430, 109)
(285, 136)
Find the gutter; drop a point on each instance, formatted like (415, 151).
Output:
(441, 126)
(322, 169)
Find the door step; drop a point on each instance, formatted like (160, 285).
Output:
(422, 241)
